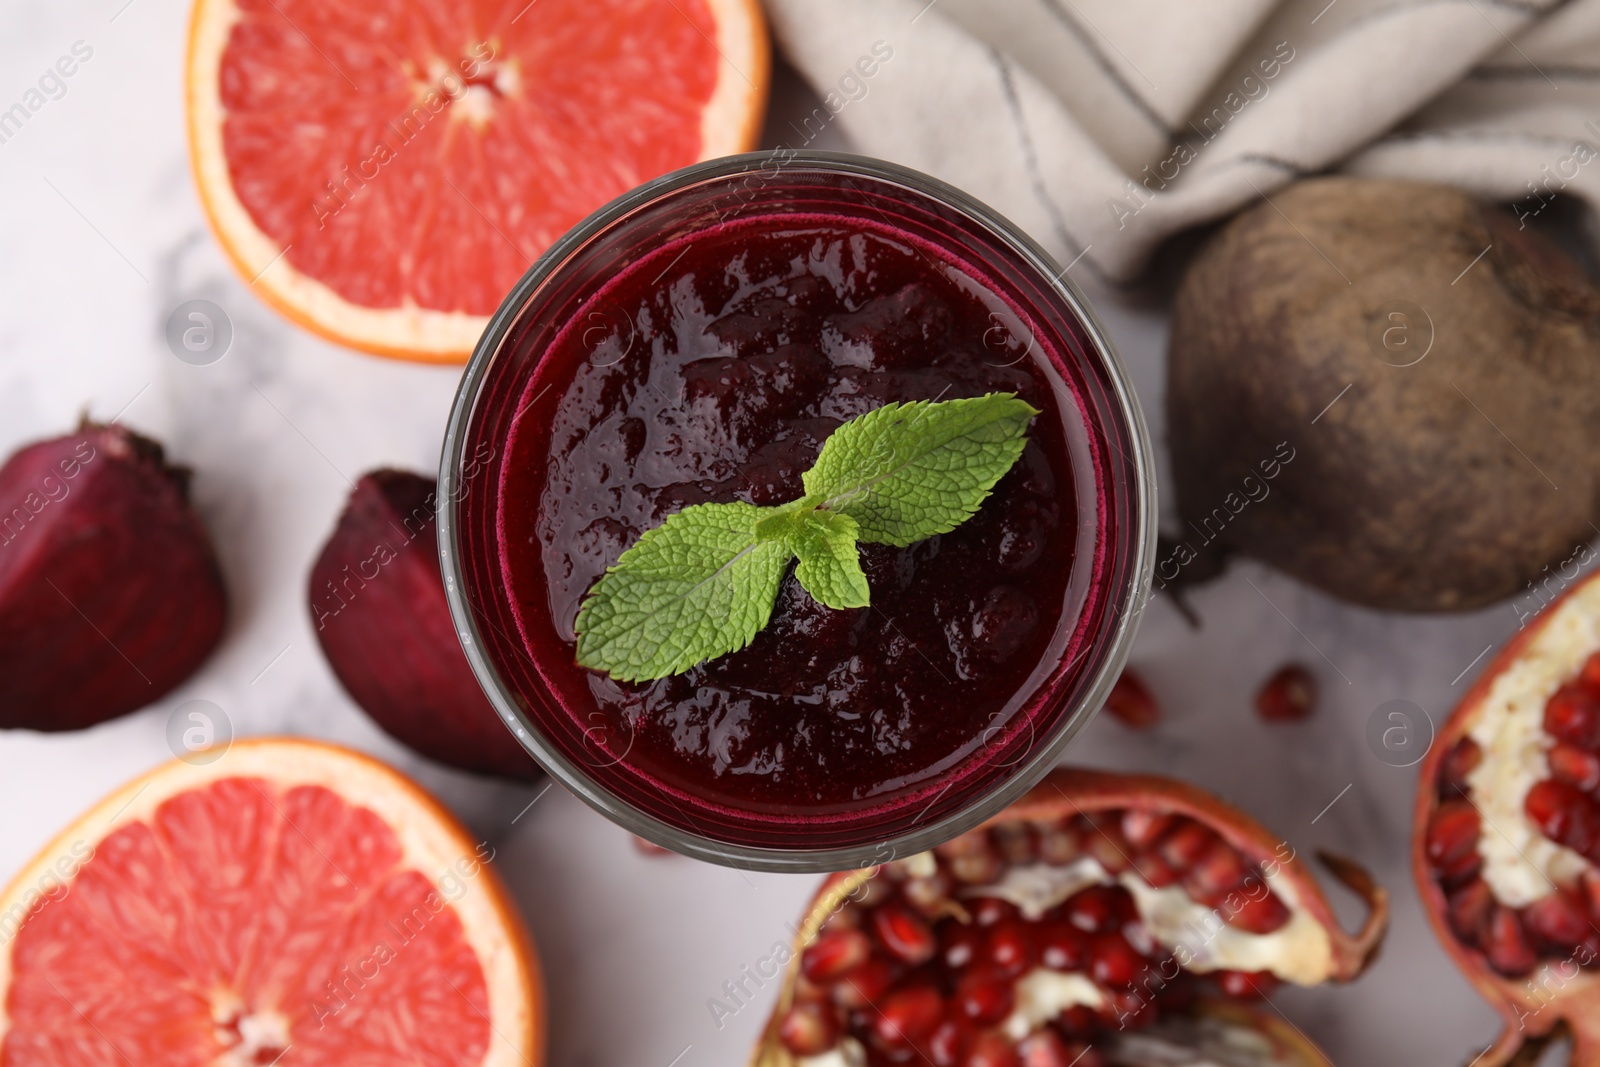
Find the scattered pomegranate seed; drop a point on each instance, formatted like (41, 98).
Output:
(1462, 761)
(1573, 714)
(992, 1049)
(1557, 920)
(907, 1017)
(1452, 838)
(1288, 696)
(1565, 815)
(947, 1045)
(1062, 947)
(1144, 828)
(833, 953)
(1261, 916)
(1009, 948)
(809, 1029)
(1574, 765)
(865, 985)
(1506, 945)
(1247, 985)
(985, 997)
(903, 933)
(1113, 962)
(1219, 871)
(650, 848)
(1130, 701)
(1468, 909)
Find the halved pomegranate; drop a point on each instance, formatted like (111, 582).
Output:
(1508, 832)
(1104, 919)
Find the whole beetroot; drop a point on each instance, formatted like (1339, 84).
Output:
(110, 595)
(378, 607)
(1388, 390)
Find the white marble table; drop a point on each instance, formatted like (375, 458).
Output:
(103, 237)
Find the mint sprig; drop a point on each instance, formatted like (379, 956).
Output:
(704, 582)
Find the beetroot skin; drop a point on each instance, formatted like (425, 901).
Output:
(378, 608)
(110, 595)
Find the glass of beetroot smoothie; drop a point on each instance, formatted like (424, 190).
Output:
(696, 341)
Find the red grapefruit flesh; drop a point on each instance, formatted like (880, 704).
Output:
(291, 903)
(383, 171)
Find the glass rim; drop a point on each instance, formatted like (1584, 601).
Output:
(1142, 530)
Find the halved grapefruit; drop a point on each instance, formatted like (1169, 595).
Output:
(290, 903)
(382, 171)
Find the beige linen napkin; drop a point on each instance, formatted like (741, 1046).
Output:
(1104, 126)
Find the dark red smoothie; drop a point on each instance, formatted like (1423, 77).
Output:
(711, 370)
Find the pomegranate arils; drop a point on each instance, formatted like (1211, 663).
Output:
(1462, 761)
(864, 986)
(1009, 948)
(907, 1016)
(1245, 985)
(991, 1049)
(1062, 947)
(378, 606)
(1113, 962)
(985, 997)
(110, 594)
(947, 1045)
(1288, 696)
(1566, 815)
(1044, 1049)
(833, 954)
(1259, 915)
(1557, 920)
(1104, 841)
(1099, 908)
(1469, 911)
(1589, 673)
(1452, 837)
(990, 910)
(809, 1029)
(1573, 714)
(1575, 766)
(1014, 842)
(1059, 845)
(1218, 872)
(1506, 945)
(1183, 846)
(959, 945)
(903, 933)
(1144, 828)
(1154, 869)
(1130, 701)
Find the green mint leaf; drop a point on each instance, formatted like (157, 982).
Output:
(905, 472)
(830, 563)
(700, 585)
(704, 582)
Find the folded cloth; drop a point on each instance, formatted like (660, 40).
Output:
(1103, 126)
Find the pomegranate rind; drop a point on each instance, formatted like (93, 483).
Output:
(730, 123)
(1069, 790)
(1531, 1009)
(430, 840)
